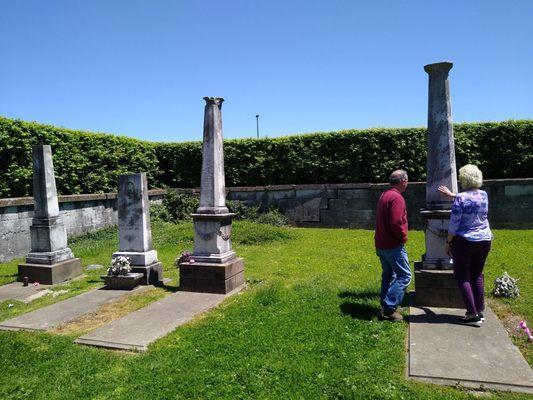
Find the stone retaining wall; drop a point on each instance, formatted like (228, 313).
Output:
(353, 205)
(328, 206)
(81, 213)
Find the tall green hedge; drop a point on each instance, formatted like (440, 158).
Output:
(89, 163)
(84, 162)
(501, 149)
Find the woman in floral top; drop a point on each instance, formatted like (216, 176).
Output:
(469, 240)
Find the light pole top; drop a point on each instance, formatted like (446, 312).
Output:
(444, 66)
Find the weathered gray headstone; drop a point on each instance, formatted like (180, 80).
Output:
(216, 267)
(438, 289)
(50, 260)
(134, 231)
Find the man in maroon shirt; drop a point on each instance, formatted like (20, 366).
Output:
(390, 237)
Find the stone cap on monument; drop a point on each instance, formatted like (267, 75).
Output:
(444, 66)
(214, 101)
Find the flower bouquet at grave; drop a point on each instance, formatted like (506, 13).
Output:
(119, 275)
(506, 286)
(120, 266)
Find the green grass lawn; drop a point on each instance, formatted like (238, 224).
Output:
(305, 328)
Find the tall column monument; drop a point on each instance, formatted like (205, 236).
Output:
(434, 282)
(50, 260)
(216, 268)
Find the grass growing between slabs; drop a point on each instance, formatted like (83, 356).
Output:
(305, 328)
(97, 248)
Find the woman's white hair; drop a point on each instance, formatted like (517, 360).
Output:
(470, 177)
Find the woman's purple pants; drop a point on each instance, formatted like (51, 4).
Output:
(468, 262)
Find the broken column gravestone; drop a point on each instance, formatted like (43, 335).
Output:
(216, 268)
(434, 281)
(134, 230)
(50, 260)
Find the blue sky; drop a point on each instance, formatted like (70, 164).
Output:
(141, 68)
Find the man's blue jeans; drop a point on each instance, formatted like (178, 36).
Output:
(395, 277)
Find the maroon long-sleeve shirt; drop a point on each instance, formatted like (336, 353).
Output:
(391, 220)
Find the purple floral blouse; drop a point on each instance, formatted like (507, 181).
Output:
(469, 216)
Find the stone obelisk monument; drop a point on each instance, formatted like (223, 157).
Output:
(50, 260)
(434, 282)
(215, 269)
(134, 231)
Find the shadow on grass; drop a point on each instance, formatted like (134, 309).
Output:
(171, 289)
(359, 310)
(357, 305)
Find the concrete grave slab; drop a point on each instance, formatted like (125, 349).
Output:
(65, 311)
(444, 352)
(142, 327)
(16, 291)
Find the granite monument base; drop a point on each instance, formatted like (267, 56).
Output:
(49, 257)
(50, 274)
(437, 288)
(152, 273)
(211, 277)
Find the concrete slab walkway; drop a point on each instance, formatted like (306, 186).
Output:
(443, 351)
(142, 327)
(67, 310)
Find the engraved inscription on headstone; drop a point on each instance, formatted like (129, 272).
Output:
(134, 231)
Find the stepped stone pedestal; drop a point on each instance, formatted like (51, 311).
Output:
(215, 269)
(434, 281)
(211, 277)
(134, 230)
(50, 260)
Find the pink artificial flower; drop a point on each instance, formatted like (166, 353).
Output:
(522, 325)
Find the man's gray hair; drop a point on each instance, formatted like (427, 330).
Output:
(398, 176)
